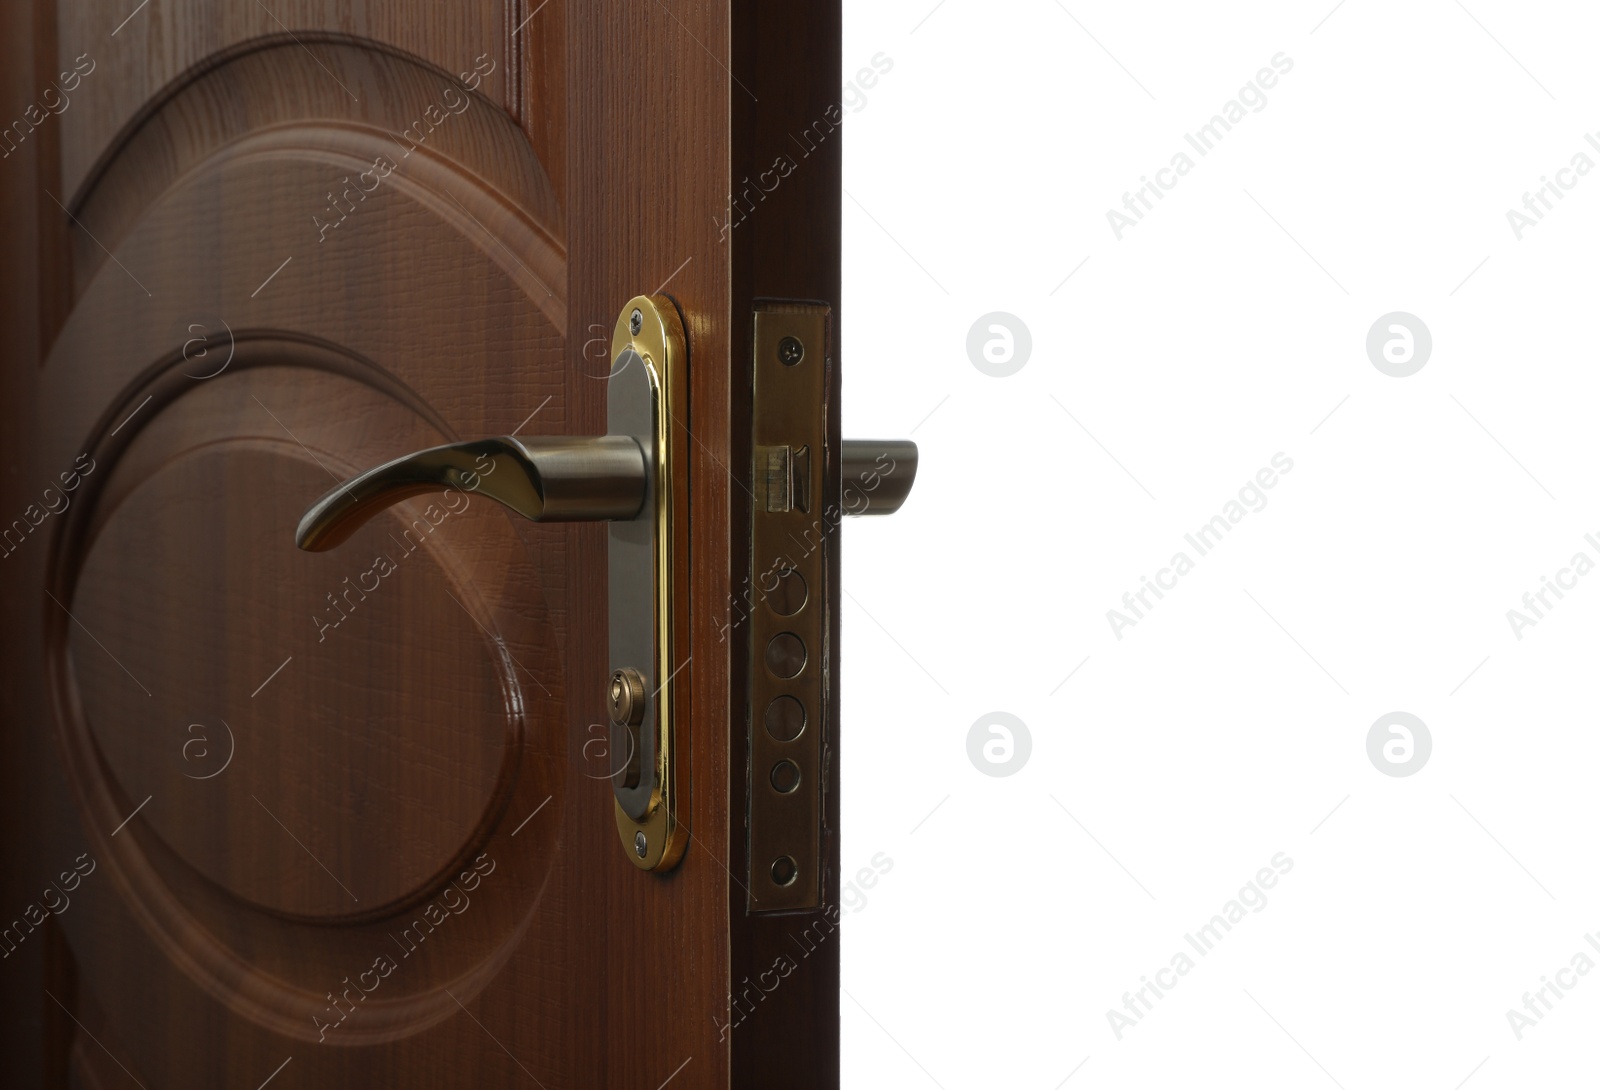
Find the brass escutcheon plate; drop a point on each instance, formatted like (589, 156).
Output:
(647, 567)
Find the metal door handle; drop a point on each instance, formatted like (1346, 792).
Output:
(554, 479)
(636, 478)
(540, 478)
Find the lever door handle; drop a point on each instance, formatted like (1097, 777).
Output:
(540, 478)
(596, 479)
(636, 478)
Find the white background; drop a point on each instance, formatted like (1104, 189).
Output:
(1230, 724)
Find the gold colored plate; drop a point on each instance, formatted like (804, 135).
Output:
(657, 341)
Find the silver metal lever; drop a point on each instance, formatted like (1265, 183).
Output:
(541, 478)
(635, 478)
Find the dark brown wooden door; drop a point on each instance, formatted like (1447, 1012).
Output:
(293, 819)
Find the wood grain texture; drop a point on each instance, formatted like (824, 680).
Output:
(441, 721)
(649, 138)
(169, 40)
(245, 900)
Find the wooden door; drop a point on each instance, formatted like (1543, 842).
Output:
(293, 819)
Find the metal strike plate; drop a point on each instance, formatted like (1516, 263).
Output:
(647, 560)
(792, 527)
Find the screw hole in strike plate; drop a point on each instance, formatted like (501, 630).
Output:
(784, 871)
(785, 718)
(788, 596)
(785, 776)
(786, 655)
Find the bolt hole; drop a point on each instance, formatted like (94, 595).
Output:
(785, 718)
(788, 597)
(784, 871)
(785, 776)
(786, 655)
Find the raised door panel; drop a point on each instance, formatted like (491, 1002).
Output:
(303, 778)
(138, 49)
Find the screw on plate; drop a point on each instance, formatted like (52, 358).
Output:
(636, 321)
(790, 351)
(641, 845)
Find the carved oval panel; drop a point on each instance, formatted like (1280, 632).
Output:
(365, 755)
(308, 758)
